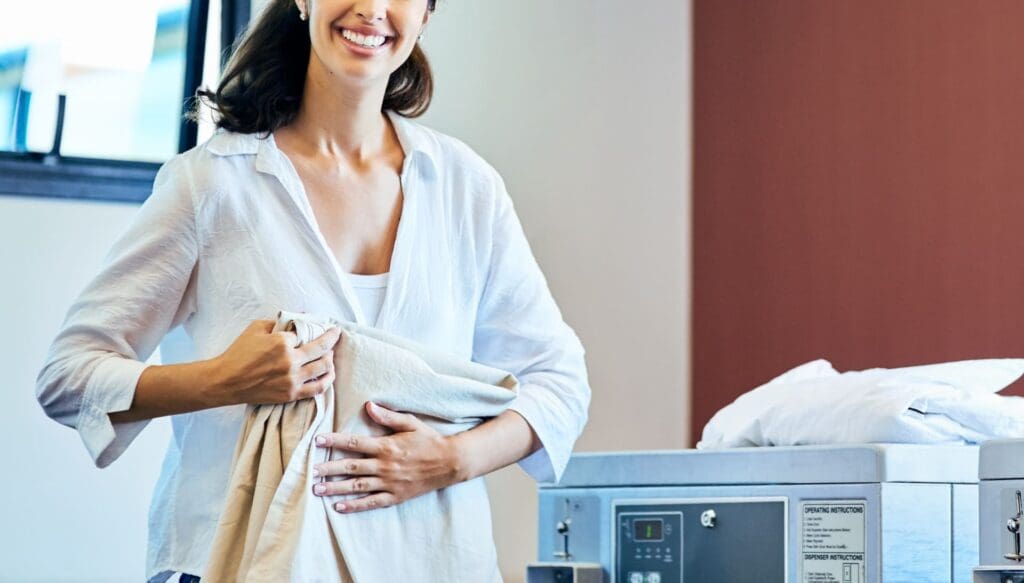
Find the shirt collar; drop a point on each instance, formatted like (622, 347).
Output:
(415, 140)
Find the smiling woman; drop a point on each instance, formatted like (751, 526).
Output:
(262, 85)
(316, 156)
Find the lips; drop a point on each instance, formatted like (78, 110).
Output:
(364, 38)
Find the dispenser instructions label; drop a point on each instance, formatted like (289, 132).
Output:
(832, 541)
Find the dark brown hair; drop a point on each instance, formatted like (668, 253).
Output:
(261, 88)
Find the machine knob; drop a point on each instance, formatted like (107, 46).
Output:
(562, 528)
(1013, 525)
(708, 518)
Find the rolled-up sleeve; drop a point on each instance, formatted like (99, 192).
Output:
(519, 328)
(118, 319)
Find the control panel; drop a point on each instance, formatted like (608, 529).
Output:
(650, 547)
(697, 541)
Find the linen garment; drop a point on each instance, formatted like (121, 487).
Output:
(228, 236)
(813, 404)
(274, 529)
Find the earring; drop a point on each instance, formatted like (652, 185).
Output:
(302, 16)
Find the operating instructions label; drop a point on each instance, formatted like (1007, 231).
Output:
(832, 541)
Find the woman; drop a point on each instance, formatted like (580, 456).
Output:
(316, 194)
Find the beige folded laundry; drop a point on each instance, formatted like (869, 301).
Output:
(274, 529)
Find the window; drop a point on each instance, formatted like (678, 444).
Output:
(92, 97)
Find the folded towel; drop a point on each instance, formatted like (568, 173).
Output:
(274, 529)
(815, 404)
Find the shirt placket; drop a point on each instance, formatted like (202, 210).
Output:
(275, 163)
(406, 229)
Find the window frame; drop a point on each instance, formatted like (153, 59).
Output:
(35, 174)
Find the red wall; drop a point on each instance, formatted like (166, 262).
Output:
(858, 168)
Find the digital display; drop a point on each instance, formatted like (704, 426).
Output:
(647, 530)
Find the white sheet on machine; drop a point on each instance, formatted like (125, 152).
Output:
(815, 404)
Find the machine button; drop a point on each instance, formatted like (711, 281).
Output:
(635, 577)
(708, 518)
(653, 577)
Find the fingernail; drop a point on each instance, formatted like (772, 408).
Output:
(340, 507)
(316, 470)
(321, 440)
(319, 489)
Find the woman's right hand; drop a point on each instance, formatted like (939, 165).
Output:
(264, 367)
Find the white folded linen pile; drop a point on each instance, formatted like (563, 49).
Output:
(815, 404)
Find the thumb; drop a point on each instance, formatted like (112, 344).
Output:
(262, 325)
(391, 419)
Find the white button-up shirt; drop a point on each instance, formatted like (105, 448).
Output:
(228, 236)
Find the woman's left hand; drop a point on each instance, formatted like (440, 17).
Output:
(414, 460)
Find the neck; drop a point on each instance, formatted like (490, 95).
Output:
(339, 119)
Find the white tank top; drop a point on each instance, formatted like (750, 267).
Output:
(370, 293)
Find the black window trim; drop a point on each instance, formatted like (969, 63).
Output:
(37, 174)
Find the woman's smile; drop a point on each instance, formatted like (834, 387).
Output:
(364, 41)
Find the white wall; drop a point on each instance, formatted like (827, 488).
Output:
(64, 520)
(592, 134)
(584, 108)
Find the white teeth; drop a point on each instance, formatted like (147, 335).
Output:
(366, 41)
